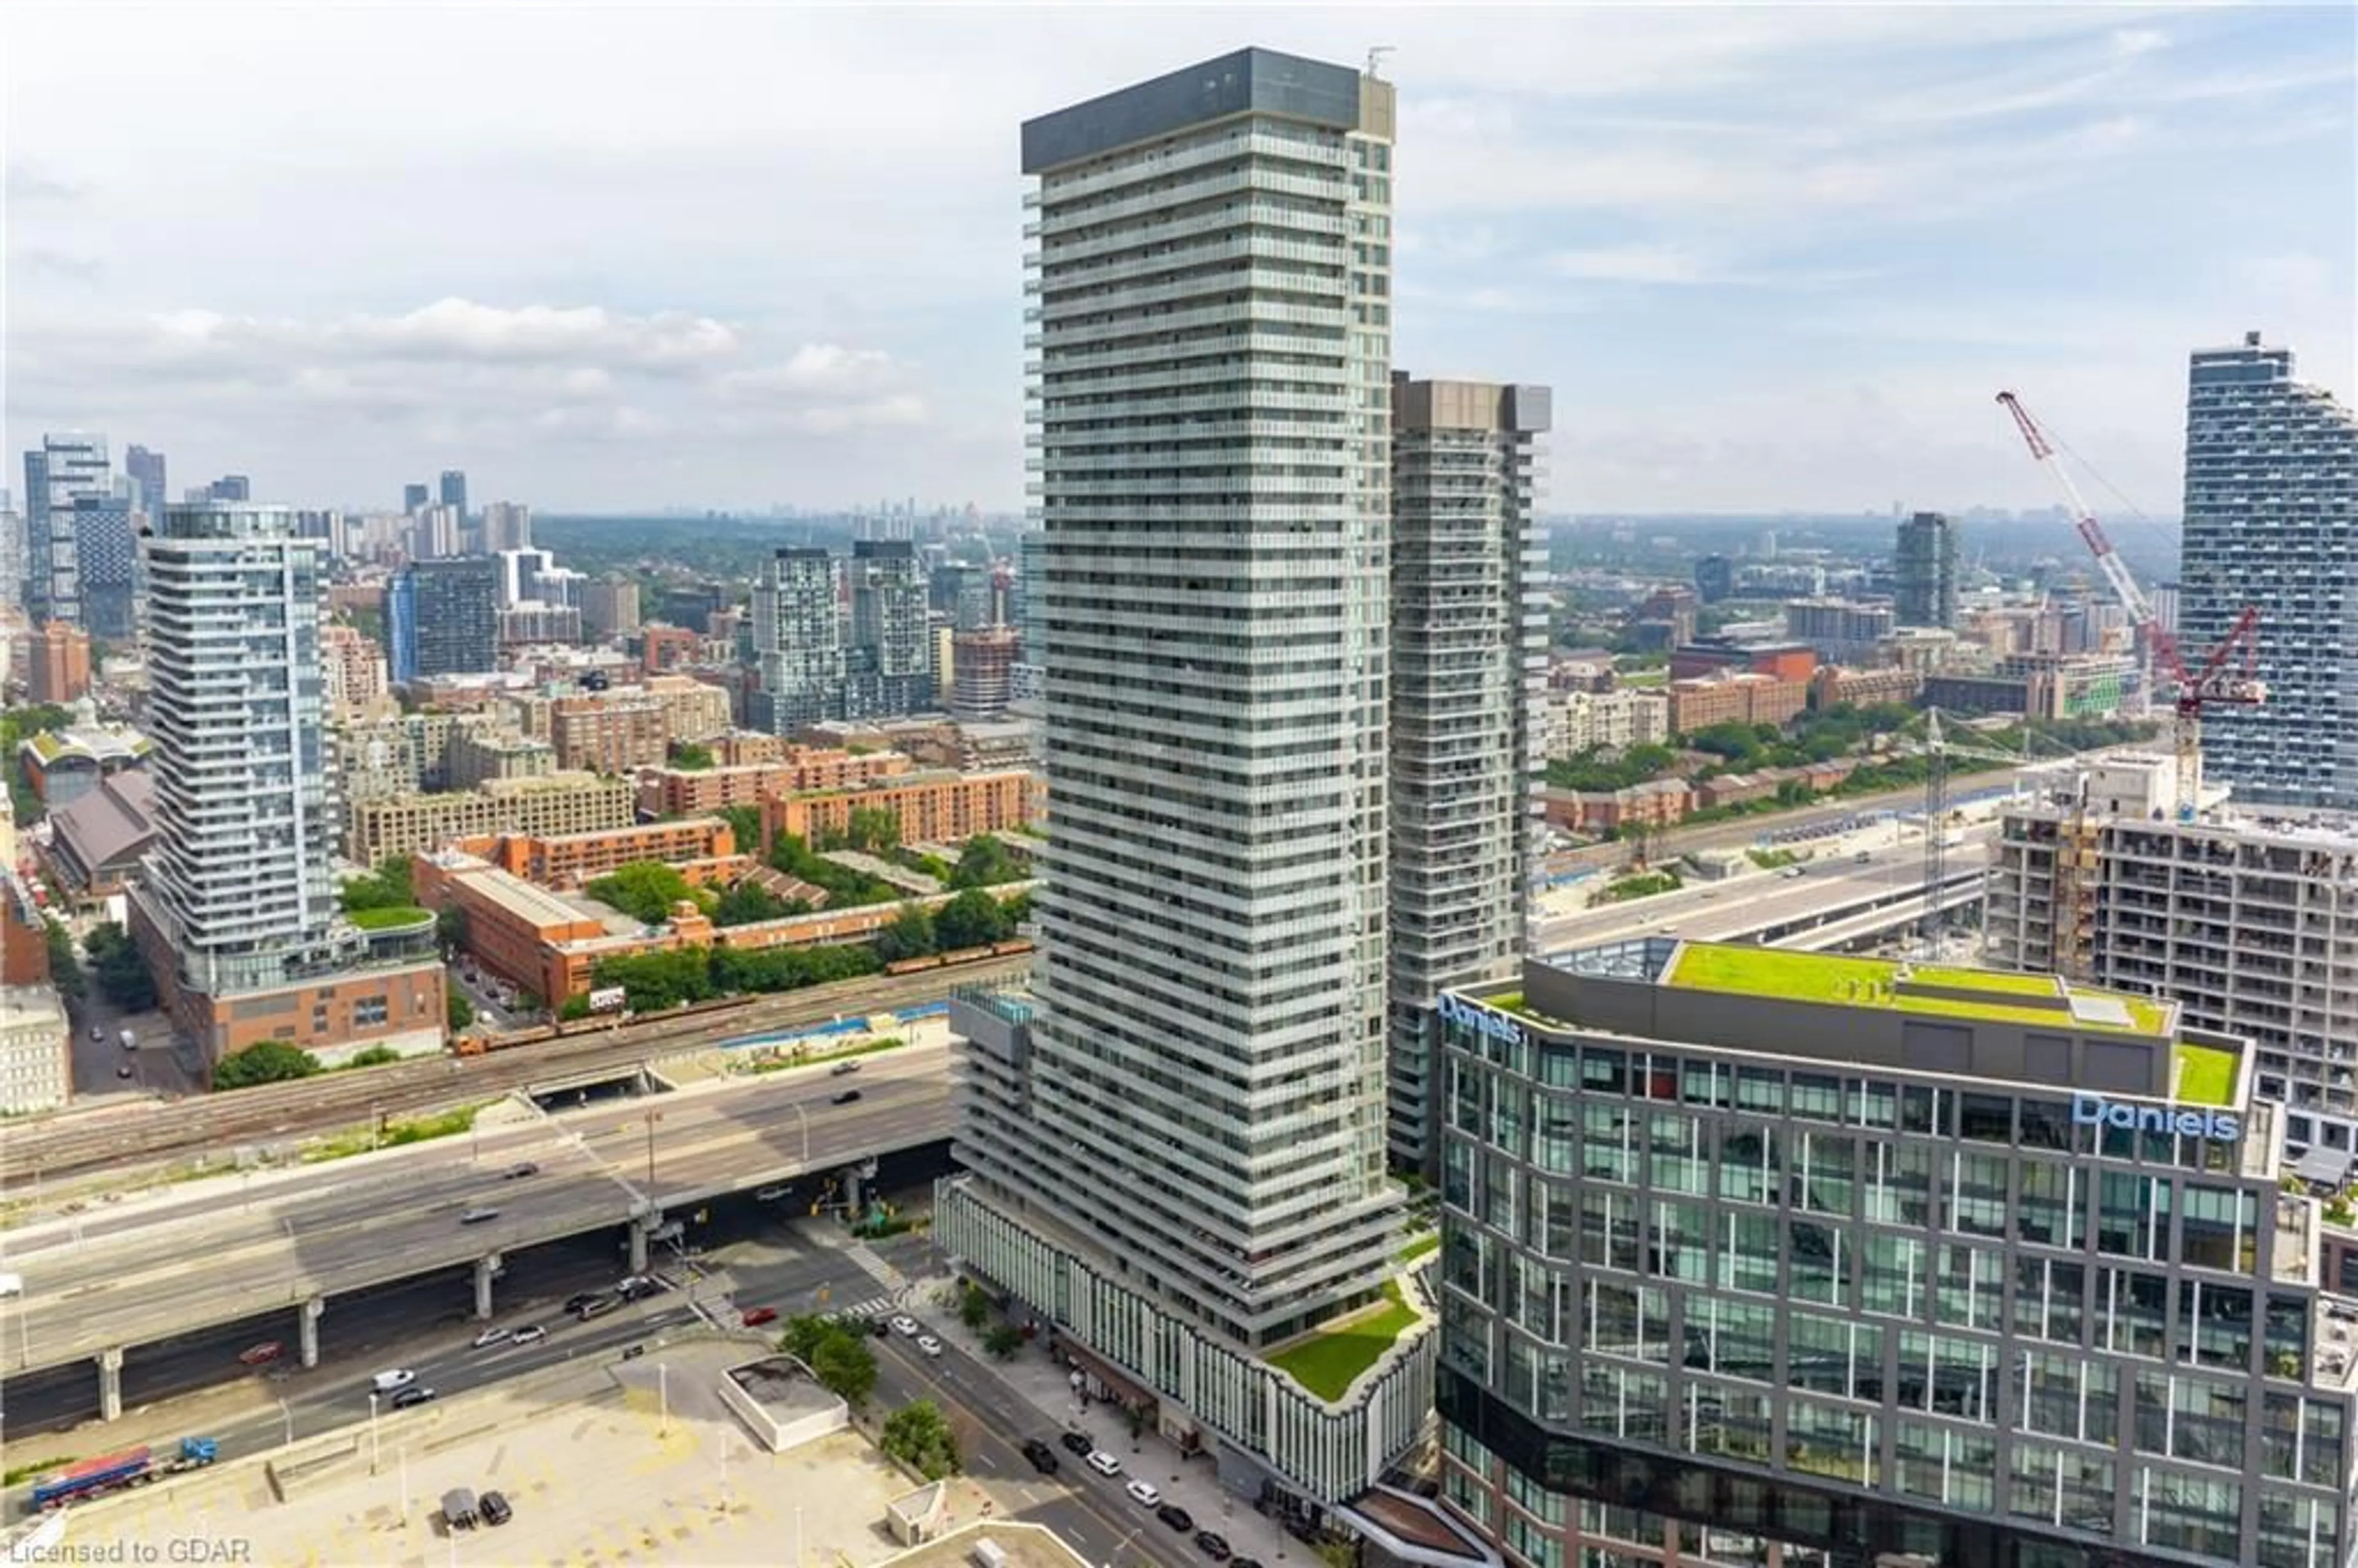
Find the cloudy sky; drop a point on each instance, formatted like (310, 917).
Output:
(606, 257)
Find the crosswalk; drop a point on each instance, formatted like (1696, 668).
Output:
(874, 1307)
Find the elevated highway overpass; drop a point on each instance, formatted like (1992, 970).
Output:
(207, 1254)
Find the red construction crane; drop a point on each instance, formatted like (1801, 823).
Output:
(2215, 681)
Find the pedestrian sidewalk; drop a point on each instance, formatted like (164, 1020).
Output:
(1039, 1383)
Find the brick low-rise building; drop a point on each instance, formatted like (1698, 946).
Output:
(931, 808)
(1735, 699)
(1834, 686)
(412, 824)
(676, 792)
(704, 848)
(1661, 802)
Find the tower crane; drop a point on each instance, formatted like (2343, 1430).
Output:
(2214, 681)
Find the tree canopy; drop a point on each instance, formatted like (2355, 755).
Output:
(266, 1061)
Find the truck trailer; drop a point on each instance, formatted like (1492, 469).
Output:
(131, 1468)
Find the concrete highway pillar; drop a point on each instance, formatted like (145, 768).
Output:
(307, 1330)
(851, 1211)
(110, 1385)
(639, 1228)
(486, 1271)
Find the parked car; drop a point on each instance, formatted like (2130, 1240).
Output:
(495, 1507)
(1104, 1464)
(411, 1397)
(758, 1316)
(1212, 1545)
(1145, 1493)
(262, 1354)
(1042, 1457)
(530, 1334)
(1079, 1443)
(1177, 1517)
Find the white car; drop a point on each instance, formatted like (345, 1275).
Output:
(491, 1336)
(771, 1195)
(531, 1334)
(387, 1382)
(1143, 1494)
(1104, 1464)
(906, 1327)
(929, 1344)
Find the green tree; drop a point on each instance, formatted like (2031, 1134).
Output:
(974, 1306)
(872, 828)
(65, 969)
(390, 886)
(644, 889)
(120, 969)
(919, 1436)
(267, 1062)
(845, 887)
(458, 1012)
(1002, 1340)
(450, 930)
(749, 901)
(576, 1007)
(374, 1056)
(910, 935)
(845, 1366)
(652, 982)
(692, 757)
(972, 919)
(984, 861)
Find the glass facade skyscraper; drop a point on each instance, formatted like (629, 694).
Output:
(1469, 659)
(2271, 521)
(1178, 1141)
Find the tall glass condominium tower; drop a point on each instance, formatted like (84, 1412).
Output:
(2271, 520)
(1210, 408)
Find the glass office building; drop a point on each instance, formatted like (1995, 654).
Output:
(1782, 1258)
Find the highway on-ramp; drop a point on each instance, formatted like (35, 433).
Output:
(225, 1250)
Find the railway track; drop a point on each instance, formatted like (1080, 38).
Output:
(31, 1154)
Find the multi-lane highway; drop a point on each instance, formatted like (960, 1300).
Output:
(221, 1252)
(1766, 902)
(49, 1150)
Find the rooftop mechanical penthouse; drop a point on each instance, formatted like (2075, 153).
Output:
(1791, 1258)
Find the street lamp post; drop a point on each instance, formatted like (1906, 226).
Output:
(373, 1451)
(652, 1117)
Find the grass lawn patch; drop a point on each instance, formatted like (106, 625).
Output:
(1869, 982)
(450, 1124)
(1423, 1247)
(388, 919)
(2206, 1075)
(1330, 1361)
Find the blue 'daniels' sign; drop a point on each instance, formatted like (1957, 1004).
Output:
(1482, 1021)
(2094, 1110)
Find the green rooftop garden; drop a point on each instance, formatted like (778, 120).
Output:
(2206, 1075)
(388, 919)
(1869, 982)
(1329, 1361)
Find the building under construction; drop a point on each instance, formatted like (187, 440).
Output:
(2249, 921)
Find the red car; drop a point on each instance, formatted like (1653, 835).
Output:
(262, 1354)
(759, 1316)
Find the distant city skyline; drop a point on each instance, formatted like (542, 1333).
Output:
(1770, 258)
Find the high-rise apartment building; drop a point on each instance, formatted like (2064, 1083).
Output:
(241, 875)
(1714, 579)
(1787, 1258)
(415, 498)
(1177, 1143)
(2249, 923)
(442, 618)
(437, 532)
(797, 642)
(888, 664)
(454, 492)
(610, 607)
(63, 471)
(16, 550)
(1468, 663)
(107, 562)
(145, 471)
(2271, 521)
(1924, 571)
(507, 525)
(229, 487)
